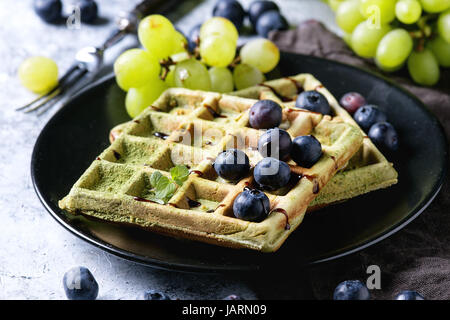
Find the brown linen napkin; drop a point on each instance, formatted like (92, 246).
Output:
(418, 257)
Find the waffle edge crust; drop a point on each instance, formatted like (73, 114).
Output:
(113, 187)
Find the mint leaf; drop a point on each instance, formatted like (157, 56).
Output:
(154, 178)
(164, 189)
(179, 174)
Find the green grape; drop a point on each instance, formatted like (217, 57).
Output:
(434, 6)
(380, 11)
(218, 26)
(38, 74)
(217, 51)
(180, 43)
(347, 37)
(180, 56)
(245, 76)
(408, 11)
(134, 68)
(138, 99)
(365, 38)
(334, 4)
(393, 49)
(260, 53)
(423, 67)
(348, 15)
(441, 50)
(444, 25)
(192, 74)
(170, 77)
(154, 33)
(221, 79)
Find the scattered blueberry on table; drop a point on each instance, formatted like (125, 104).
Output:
(257, 8)
(155, 295)
(270, 21)
(409, 295)
(88, 10)
(275, 143)
(80, 284)
(271, 173)
(48, 10)
(313, 101)
(265, 114)
(232, 164)
(230, 9)
(251, 205)
(233, 297)
(351, 290)
(306, 150)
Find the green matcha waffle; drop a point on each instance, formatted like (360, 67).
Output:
(191, 128)
(367, 171)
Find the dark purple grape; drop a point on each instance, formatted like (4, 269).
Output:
(352, 101)
(265, 114)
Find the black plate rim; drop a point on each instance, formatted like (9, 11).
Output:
(155, 263)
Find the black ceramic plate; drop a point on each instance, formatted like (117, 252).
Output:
(79, 132)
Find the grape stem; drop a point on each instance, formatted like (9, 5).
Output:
(235, 62)
(165, 64)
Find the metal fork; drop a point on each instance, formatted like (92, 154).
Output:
(89, 60)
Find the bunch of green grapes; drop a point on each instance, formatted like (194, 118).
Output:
(415, 33)
(165, 61)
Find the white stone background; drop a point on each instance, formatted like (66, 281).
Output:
(35, 251)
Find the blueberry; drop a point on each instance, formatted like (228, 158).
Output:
(271, 173)
(352, 101)
(80, 284)
(351, 290)
(88, 10)
(194, 36)
(269, 21)
(313, 101)
(306, 151)
(257, 8)
(48, 10)
(265, 114)
(368, 115)
(233, 297)
(232, 164)
(384, 136)
(275, 143)
(251, 205)
(409, 295)
(230, 9)
(155, 295)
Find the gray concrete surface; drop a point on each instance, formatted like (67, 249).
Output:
(34, 250)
